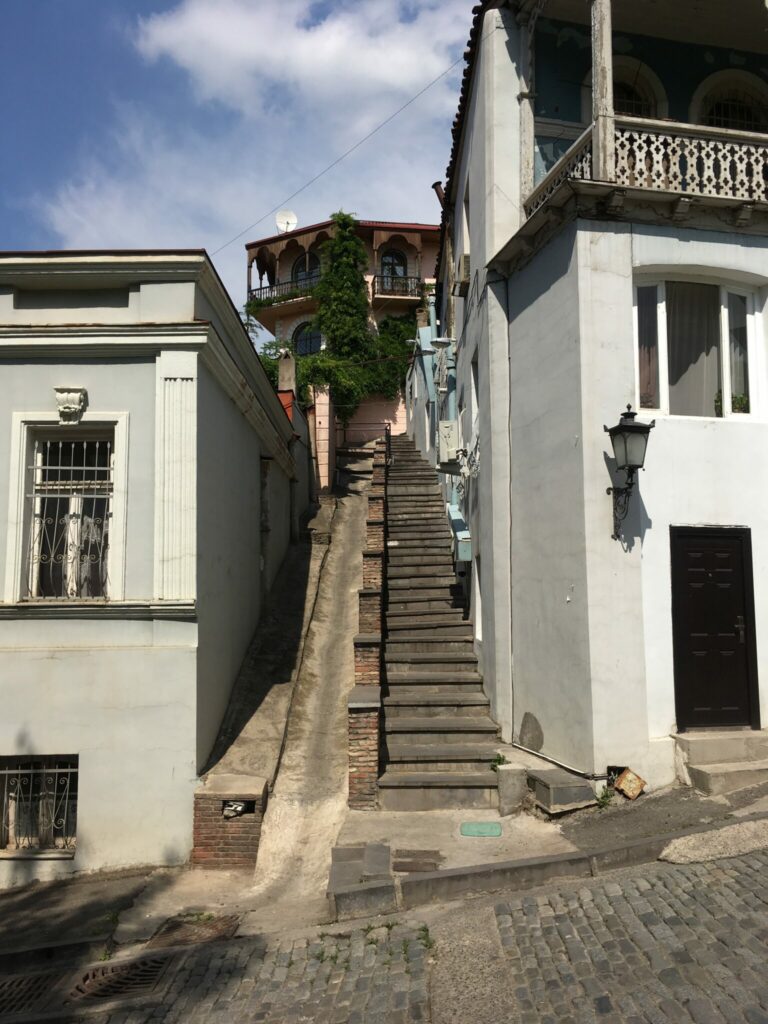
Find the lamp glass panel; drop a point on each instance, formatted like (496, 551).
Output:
(619, 441)
(636, 445)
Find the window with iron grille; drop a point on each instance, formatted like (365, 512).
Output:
(69, 514)
(38, 796)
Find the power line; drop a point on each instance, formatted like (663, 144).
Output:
(343, 156)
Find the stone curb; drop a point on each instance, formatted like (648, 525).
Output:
(438, 886)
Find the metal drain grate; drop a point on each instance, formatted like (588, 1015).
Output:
(94, 989)
(21, 993)
(120, 981)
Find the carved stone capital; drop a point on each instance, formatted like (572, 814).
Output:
(72, 403)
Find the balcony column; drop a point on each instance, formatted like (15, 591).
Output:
(603, 138)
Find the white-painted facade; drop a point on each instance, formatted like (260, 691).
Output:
(133, 683)
(539, 287)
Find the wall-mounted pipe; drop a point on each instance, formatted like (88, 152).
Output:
(590, 776)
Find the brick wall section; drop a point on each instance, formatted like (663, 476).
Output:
(220, 842)
(368, 659)
(373, 569)
(363, 731)
(369, 611)
(374, 534)
(376, 507)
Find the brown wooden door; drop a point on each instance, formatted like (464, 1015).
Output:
(713, 627)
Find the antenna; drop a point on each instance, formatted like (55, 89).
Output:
(286, 220)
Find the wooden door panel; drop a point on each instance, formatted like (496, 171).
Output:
(711, 595)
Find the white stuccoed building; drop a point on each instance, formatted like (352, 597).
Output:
(150, 482)
(606, 246)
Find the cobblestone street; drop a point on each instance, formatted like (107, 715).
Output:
(665, 944)
(369, 976)
(658, 944)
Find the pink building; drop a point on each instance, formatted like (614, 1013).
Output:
(282, 272)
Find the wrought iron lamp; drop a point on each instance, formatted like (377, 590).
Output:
(630, 442)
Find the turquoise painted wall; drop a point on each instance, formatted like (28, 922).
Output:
(564, 56)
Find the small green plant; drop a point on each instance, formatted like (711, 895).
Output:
(198, 916)
(425, 938)
(334, 956)
(404, 946)
(368, 929)
(113, 917)
(320, 955)
(498, 760)
(389, 925)
(371, 941)
(604, 797)
(106, 954)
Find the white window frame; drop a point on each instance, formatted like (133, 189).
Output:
(726, 289)
(23, 425)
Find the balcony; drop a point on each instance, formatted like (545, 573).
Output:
(286, 291)
(688, 160)
(399, 287)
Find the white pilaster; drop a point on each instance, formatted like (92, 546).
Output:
(175, 476)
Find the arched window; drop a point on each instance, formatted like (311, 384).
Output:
(306, 267)
(637, 91)
(306, 341)
(394, 264)
(732, 99)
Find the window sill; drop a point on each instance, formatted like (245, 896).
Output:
(54, 608)
(737, 417)
(37, 855)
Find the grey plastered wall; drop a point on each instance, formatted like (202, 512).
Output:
(229, 551)
(26, 385)
(549, 567)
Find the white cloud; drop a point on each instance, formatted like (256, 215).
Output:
(296, 94)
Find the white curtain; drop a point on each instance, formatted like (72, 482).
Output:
(693, 339)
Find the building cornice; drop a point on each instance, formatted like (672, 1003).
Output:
(185, 611)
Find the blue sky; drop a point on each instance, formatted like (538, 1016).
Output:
(157, 123)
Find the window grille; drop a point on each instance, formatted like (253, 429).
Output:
(736, 110)
(39, 803)
(70, 511)
(629, 101)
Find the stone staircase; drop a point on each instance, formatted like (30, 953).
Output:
(439, 739)
(720, 761)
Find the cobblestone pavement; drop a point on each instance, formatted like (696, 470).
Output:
(366, 977)
(660, 944)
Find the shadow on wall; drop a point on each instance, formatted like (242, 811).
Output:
(274, 649)
(637, 523)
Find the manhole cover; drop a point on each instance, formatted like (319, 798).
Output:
(49, 995)
(481, 829)
(21, 993)
(119, 981)
(189, 929)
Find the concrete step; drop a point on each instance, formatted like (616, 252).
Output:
(415, 560)
(444, 703)
(398, 643)
(426, 729)
(405, 572)
(426, 791)
(419, 605)
(408, 755)
(557, 791)
(728, 776)
(425, 542)
(429, 661)
(439, 677)
(425, 619)
(450, 633)
(433, 582)
(723, 745)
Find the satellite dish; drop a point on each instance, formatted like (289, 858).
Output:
(286, 220)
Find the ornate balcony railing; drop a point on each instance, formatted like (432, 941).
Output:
(387, 284)
(576, 163)
(692, 159)
(283, 292)
(667, 156)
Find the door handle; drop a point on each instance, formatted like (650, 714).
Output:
(741, 627)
